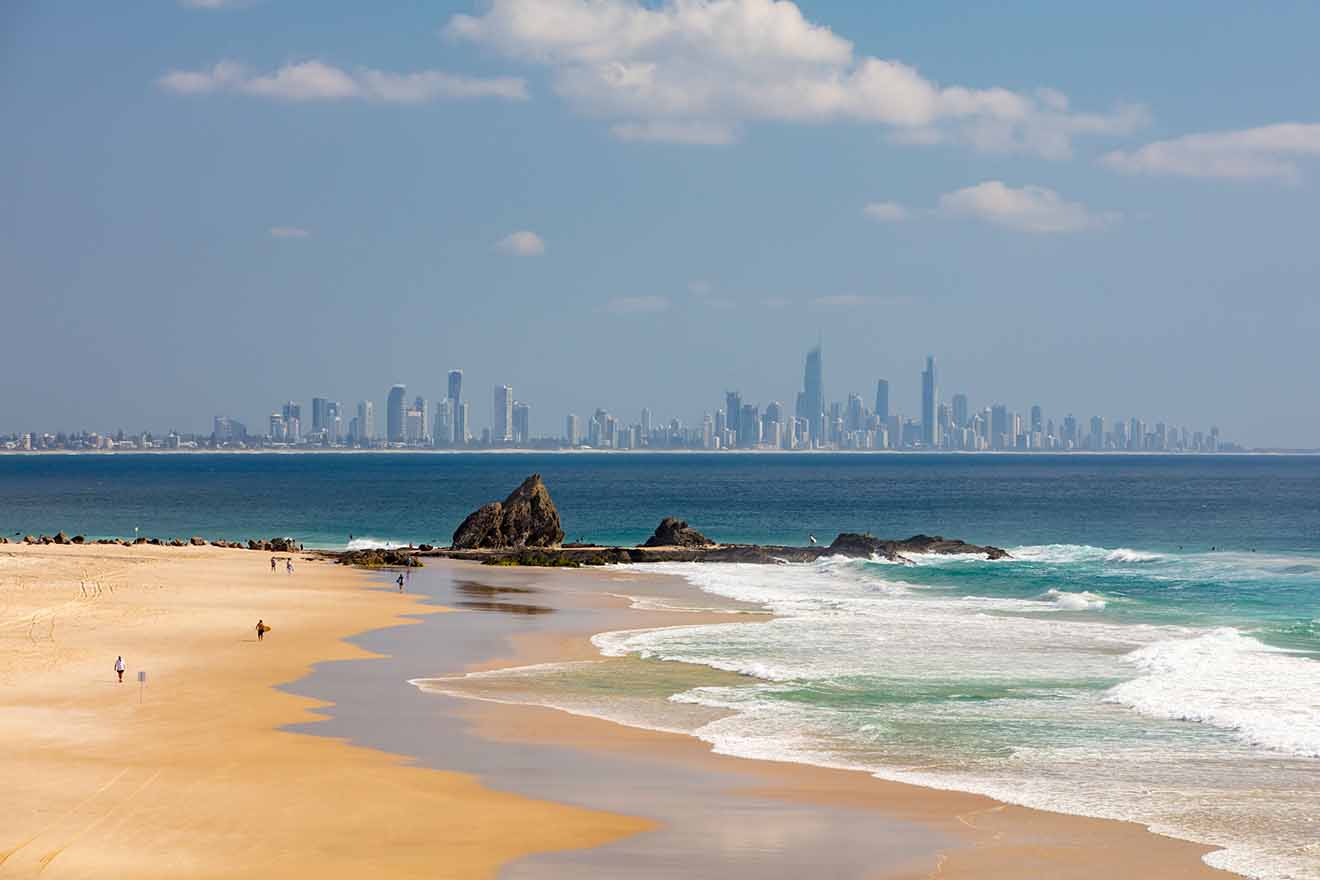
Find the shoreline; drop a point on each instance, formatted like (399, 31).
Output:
(982, 837)
(195, 772)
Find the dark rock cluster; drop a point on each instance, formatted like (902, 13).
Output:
(673, 532)
(378, 558)
(278, 545)
(527, 518)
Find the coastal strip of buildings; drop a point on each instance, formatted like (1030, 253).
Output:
(813, 423)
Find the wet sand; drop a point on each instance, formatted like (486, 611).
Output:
(192, 774)
(716, 816)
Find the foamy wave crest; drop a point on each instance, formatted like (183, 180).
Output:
(1067, 553)
(1266, 696)
(1123, 554)
(1082, 601)
(370, 543)
(1058, 553)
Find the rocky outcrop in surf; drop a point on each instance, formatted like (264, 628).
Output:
(527, 518)
(867, 545)
(673, 532)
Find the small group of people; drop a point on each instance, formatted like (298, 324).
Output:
(288, 564)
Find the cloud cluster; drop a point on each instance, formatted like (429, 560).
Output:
(523, 243)
(692, 71)
(1268, 152)
(317, 81)
(1027, 209)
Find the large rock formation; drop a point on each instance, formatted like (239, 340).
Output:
(677, 533)
(527, 518)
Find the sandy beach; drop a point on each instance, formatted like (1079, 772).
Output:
(204, 776)
(197, 779)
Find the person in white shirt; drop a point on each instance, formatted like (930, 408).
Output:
(119, 667)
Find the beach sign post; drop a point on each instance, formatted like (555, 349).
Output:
(142, 681)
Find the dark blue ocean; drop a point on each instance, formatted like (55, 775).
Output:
(1148, 653)
(1153, 502)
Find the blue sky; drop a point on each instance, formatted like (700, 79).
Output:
(212, 207)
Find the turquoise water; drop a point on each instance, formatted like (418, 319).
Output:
(1149, 652)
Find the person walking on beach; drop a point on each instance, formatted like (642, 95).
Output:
(400, 583)
(261, 629)
(272, 565)
(119, 668)
(288, 565)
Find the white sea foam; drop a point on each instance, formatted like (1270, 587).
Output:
(1082, 601)
(369, 543)
(1266, 696)
(664, 603)
(1002, 677)
(1124, 554)
(987, 694)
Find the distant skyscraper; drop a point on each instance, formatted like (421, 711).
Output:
(646, 422)
(1036, 420)
(395, 407)
(443, 433)
(930, 401)
(812, 402)
(960, 410)
(749, 426)
(572, 432)
(366, 419)
(332, 422)
(501, 423)
(422, 412)
(852, 416)
(999, 427)
(461, 430)
(733, 415)
(456, 385)
(522, 417)
(292, 421)
(882, 401)
(318, 413)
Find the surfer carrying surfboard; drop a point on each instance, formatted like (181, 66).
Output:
(262, 629)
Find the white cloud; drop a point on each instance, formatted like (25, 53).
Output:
(523, 243)
(317, 81)
(1268, 152)
(885, 212)
(700, 287)
(692, 71)
(1029, 208)
(632, 305)
(289, 232)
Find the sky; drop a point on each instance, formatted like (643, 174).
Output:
(214, 206)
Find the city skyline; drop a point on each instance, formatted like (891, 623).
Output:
(818, 422)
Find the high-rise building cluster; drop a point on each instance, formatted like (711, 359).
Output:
(818, 423)
(814, 422)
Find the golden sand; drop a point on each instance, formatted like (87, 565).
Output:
(197, 779)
